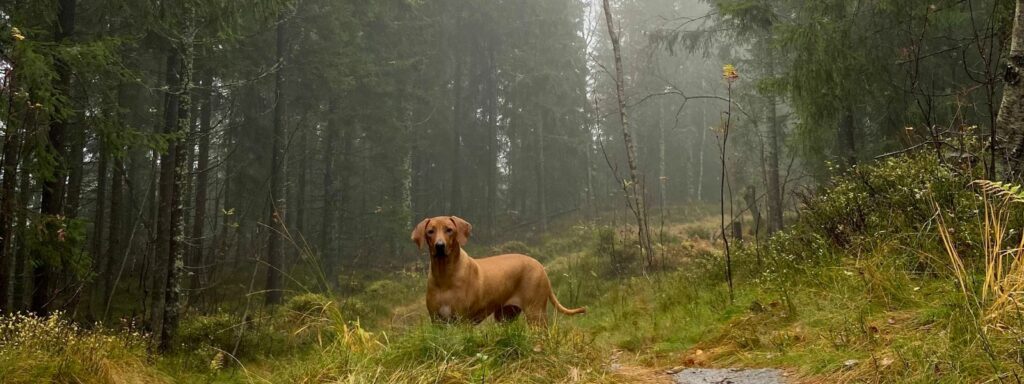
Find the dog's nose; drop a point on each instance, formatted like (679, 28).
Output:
(439, 249)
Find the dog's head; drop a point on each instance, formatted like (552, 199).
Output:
(443, 235)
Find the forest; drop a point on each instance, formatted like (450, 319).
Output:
(733, 191)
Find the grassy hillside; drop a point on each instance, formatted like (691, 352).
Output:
(862, 287)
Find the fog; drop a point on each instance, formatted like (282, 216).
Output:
(171, 157)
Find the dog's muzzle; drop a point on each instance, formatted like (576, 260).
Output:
(439, 250)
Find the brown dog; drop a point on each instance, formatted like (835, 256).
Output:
(463, 288)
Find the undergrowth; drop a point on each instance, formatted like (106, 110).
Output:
(899, 271)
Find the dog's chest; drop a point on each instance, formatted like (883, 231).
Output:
(445, 312)
(449, 304)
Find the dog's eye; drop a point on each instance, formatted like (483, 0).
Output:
(430, 232)
(448, 230)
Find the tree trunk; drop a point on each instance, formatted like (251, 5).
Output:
(328, 220)
(1011, 112)
(774, 184)
(303, 188)
(114, 248)
(492, 142)
(100, 261)
(635, 190)
(455, 166)
(196, 259)
(170, 247)
(275, 245)
(99, 216)
(542, 199)
(662, 175)
(76, 169)
(165, 205)
(750, 197)
(700, 166)
(847, 139)
(8, 268)
(178, 246)
(22, 296)
(349, 131)
(51, 204)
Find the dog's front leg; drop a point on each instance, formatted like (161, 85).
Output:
(442, 315)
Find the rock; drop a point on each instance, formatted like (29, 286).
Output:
(850, 363)
(731, 376)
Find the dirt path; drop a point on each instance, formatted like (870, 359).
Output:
(729, 376)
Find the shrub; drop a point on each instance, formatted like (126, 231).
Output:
(885, 200)
(207, 335)
(888, 196)
(622, 258)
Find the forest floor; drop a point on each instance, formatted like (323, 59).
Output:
(694, 231)
(807, 306)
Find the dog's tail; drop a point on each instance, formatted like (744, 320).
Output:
(559, 307)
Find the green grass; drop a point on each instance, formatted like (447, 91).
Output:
(874, 309)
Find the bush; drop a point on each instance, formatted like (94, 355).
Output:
(886, 199)
(207, 335)
(622, 258)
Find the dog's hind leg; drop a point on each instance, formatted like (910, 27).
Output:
(537, 317)
(507, 313)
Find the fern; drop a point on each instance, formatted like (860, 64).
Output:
(1011, 192)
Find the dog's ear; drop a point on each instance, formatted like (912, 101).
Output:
(463, 229)
(419, 233)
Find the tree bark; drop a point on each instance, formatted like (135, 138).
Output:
(51, 203)
(847, 139)
(178, 244)
(275, 245)
(542, 198)
(196, 259)
(328, 220)
(22, 270)
(662, 175)
(165, 205)
(774, 182)
(99, 215)
(1011, 112)
(76, 169)
(635, 190)
(455, 166)
(492, 142)
(700, 155)
(114, 248)
(99, 259)
(300, 205)
(8, 267)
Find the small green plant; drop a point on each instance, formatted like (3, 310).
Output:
(622, 258)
